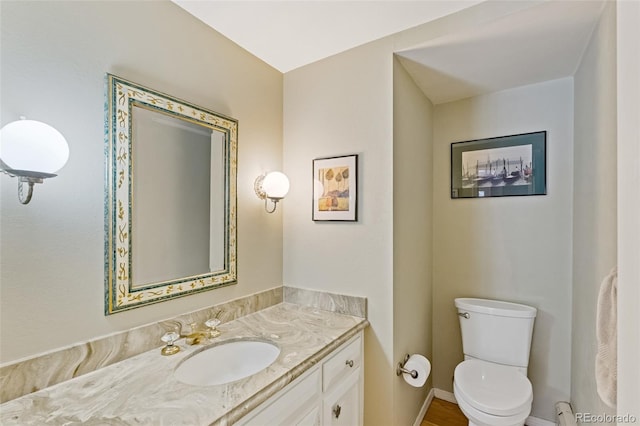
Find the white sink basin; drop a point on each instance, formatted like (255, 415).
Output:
(226, 363)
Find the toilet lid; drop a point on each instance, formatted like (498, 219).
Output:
(492, 388)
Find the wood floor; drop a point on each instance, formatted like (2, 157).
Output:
(443, 413)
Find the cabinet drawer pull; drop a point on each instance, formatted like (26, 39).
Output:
(349, 363)
(336, 411)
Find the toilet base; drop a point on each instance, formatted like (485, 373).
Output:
(473, 424)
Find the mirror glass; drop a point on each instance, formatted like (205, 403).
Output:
(170, 197)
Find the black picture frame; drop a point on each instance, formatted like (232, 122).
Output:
(513, 165)
(335, 189)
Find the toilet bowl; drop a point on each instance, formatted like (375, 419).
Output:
(490, 394)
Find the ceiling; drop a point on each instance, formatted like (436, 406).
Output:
(541, 43)
(290, 34)
(538, 43)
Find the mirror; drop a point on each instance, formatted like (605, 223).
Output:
(170, 201)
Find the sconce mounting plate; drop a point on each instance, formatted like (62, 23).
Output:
(257, 187)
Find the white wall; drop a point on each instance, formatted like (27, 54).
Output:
(412, 235)
(53, 60)
(628, 129)
(513, 248)
(594, 198)
(324, 116)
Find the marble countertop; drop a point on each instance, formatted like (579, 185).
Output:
(142, 389)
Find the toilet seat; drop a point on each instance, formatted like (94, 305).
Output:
(493, 389)
(478, 418)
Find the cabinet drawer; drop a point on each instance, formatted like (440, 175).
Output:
(340, 365)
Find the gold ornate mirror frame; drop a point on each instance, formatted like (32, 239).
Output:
(120, 292)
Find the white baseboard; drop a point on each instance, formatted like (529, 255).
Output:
(445, 396)
(425, 407)
(449, 397)
(534, 421)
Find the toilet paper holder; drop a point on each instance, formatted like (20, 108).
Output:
(401, 369)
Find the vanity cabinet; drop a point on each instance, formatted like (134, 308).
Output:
(342, 385)
(329, 393)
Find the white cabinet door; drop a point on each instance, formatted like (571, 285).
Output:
(341, 406)
(310, 418)
(292, 406)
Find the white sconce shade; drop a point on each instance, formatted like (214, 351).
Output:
(32, 151)
(33, 146)
(273, 186)
(276, 185)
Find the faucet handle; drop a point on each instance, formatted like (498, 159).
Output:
(169, 338)
(212, 323)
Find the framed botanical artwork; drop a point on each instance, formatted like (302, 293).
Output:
(335, 188)
(500, 166)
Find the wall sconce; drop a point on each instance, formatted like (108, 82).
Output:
(271, 186)
(31, 151)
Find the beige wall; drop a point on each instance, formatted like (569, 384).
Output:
(594, 203)
(345, 105)
(53, 59)
(342, 105)
(412, 221)
(512, 248)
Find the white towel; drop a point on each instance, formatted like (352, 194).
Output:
(606, 335)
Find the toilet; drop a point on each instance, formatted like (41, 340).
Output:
(491, 384)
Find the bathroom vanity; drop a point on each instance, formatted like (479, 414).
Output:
(316, 379)
(329, 393)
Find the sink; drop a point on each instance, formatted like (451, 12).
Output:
(226, 363)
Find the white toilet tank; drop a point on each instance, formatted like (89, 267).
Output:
(496, 331)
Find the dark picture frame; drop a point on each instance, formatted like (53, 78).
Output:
(513, 165)
(335, 188)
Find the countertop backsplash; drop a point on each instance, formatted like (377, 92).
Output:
(338, 303)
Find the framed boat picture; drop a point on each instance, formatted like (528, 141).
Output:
(335, 189)
(500, 166)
